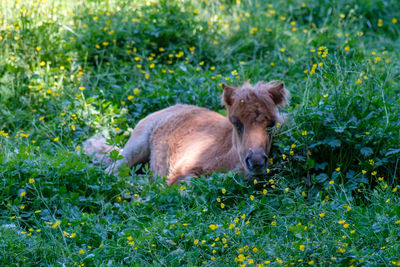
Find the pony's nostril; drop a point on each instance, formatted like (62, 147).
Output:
(256, 162)
(248, 163)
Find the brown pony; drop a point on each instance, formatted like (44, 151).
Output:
(183, 141)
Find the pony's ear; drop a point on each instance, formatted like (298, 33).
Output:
(279, 94)
(227, 95)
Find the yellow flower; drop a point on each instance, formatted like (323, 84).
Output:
(302, 247)
(341, 221)
(322, 214)
(394, 20)
(347, 48)
(56, 139)
(251, 197)
(358, 81)
(73, 235)
(337, 169)
(286, 189)
(22, 207)
(38, 48)
(196, 241)
(310, 262)
(81, 251)
(213, 226)
(253, 30)
(273, 223)
(222, 205)
(223, 190)
(364, 171)
(282, 50)
(31, 180)
(265, 191)
(22, 194)
(240, 258)
(130, 97)
(56, 224)
(283, 156)
(231, 226)
(24, 135)
(346, 225)
(182, 188)
(331, 182)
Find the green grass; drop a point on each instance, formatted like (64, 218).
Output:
(70, 69)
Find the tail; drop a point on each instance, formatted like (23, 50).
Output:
(98, 148)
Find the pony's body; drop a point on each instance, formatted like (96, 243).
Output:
(185, 140)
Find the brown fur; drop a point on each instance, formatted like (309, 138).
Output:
(184, 140)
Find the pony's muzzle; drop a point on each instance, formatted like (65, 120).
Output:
(256, 160)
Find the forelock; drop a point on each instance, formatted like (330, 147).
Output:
(251, 104)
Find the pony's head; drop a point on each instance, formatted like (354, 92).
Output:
(251, 109)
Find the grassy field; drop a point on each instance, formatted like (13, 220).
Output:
(71, 69)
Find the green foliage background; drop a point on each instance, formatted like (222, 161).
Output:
(70, 69)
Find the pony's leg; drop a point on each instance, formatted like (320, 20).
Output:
(182, 171)
(137, 149)
(97, 147)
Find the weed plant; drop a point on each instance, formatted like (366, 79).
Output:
(71, 69)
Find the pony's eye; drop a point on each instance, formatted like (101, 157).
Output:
(238, 125)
